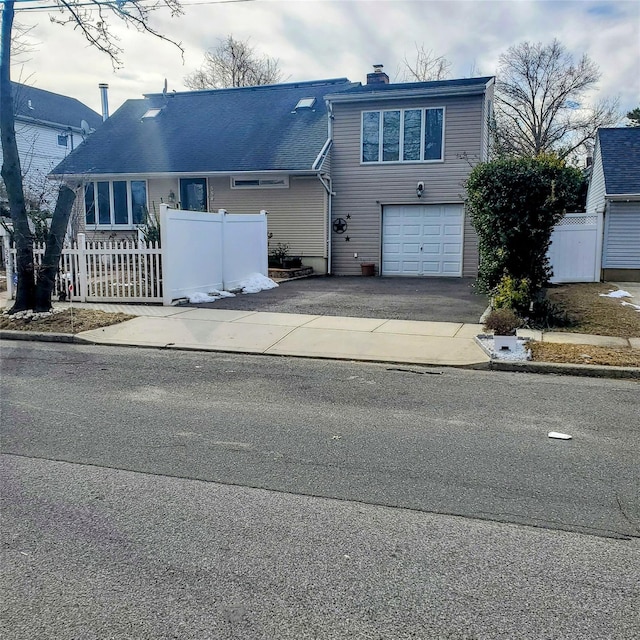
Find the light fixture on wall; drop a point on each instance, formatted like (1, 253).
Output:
(172, 197)
(420, 189)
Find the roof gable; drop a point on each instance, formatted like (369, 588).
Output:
(620, 153)
(220, 130)
(45, 106)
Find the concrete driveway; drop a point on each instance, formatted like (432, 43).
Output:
(426, 299)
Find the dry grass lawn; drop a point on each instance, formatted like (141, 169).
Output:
(66, 321)
(591, 314)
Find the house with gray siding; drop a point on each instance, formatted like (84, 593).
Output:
(400, 157)
(614, 192)
(350, 174)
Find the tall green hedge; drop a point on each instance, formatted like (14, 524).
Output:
(514, 205)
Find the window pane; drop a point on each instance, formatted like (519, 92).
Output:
(138, 201)
(412, 130)
(104, 206)
(120, 208)
(89, 204)
(433, 134)
(370, 136)
(193, 194)
(391, 136)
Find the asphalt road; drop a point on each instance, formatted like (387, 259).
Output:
(109, 532)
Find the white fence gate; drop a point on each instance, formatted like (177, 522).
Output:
(576, 248)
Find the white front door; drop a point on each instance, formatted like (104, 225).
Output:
(422, 240)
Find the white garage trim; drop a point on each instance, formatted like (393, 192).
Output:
(422, 240)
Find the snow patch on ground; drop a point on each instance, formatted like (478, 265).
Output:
(519, 353)
(620, 293)
(253, 283)
(256, 282)
(212, 296)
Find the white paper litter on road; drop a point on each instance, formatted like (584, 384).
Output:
(559, 436)
(620, 293)
(256, 282)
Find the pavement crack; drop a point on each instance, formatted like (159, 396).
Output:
(625, 515)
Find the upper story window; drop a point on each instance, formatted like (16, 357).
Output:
(273, 182)
(120, 203)
(193, 194)
(62, 139)
(403, 135)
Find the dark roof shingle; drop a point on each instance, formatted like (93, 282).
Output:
(46, 106)
(221, 130)
(620, 152)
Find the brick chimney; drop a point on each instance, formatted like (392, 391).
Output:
(378, 76)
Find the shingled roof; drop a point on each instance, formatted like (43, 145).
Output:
(32, 104)
(221, 130)
(620, 152)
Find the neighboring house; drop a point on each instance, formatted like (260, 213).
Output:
(48, 127)
(614, 191)
(336, 164)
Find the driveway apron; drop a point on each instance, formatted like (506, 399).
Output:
(423, 299)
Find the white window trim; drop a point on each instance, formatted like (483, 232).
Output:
(423, 111)
(112, 226)
(267, 180)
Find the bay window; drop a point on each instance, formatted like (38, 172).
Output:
(403, 135)
(116, 203)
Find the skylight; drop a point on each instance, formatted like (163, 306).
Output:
(151, 113)
(305, 103)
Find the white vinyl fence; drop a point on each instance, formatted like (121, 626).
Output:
(576, 248)
(114, 271)
(201, 252)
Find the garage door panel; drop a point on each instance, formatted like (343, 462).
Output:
(425, 240)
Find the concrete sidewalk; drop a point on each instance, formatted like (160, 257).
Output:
(373, 339)
(316, 336)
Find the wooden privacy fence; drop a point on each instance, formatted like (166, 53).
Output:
(114, 271)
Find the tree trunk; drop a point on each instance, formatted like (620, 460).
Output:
(55, 241)
(12, 173)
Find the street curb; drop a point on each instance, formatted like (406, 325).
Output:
(562, 369)
(42, 336)
(584, 370)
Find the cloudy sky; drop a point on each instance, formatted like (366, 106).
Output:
(316, 39)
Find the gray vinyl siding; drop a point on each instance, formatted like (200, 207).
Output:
(622, 236)
(362, 190)
(297, 215)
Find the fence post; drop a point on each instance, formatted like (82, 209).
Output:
(265, 243)
(225, 270)
(82, 267)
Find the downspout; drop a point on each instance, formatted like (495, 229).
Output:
(329, 189)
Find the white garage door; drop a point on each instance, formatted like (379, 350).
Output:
(422, 240)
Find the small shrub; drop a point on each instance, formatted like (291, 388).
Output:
(502, 322)
(279, 255)
(513, 293)
(544, 314)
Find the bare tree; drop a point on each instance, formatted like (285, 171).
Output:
(91, 17)
(234, 63)
(541, 101)
(426, 66)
